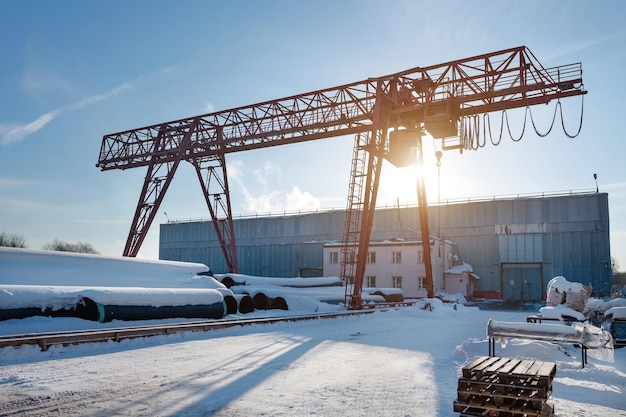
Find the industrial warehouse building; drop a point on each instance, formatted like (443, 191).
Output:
(514, 245)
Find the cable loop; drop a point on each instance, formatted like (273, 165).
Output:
(580, 124)
(474, 138)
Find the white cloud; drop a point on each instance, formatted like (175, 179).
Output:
(11, 133)
(260, 194)
(235, 170)
(8, 182)
(299, 200)
(268, 172)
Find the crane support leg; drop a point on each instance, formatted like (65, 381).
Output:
(422, 206)
(374, 164)
(214, 181)
(365, 178)
(157, 181)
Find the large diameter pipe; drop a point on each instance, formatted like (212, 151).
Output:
(245, 303)
(231, 304)
(260, 301)
(279, 303)
(106, 313)
(239, 303)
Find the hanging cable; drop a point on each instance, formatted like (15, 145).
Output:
(479, 144)
(580, 124)
(473, 137)
(537, 132)
(508, 125)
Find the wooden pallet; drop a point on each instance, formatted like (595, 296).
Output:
(505, 387)
(547, 411)
(500, 394)
(518, 372)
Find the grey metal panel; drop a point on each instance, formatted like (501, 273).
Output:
(575, 242)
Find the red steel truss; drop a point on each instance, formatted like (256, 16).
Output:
(433, 98)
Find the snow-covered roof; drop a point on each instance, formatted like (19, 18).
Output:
(460, 269)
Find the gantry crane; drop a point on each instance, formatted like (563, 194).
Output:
(388, 116)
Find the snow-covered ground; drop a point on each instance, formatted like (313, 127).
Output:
(403, 362)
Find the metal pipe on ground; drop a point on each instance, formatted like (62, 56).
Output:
(245, 303)
(25, 312)
(264, 302)
(390, 298)
(279, 303)
(260, 301)
(228, 281)
(231, 304)
(106, 313)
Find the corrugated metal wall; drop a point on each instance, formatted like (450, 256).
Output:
(503, 239)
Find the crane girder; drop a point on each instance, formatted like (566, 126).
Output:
(501, 80)
(432, 99)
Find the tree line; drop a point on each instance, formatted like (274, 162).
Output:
(17, 241)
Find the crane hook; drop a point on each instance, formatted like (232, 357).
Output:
(438, 155)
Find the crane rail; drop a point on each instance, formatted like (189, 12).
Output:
(45, 340)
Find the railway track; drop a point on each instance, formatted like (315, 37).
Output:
(45, 340)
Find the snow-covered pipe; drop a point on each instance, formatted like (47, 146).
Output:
(21, 301)
(231, 304)
(108, 303)
(296, 303)
(39, 267)
(228, 281)
(231, 279)
(264, 302)
(25, 312)
(391, 295)
(156, 303)
(260, 301)
(330, 295)
(245, 303)
(239, 303)
(279, 303)
(107, 313)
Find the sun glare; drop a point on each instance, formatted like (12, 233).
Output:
(400, 184)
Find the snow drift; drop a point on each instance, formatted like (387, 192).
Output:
(40, 267)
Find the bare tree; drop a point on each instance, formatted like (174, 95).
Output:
(60, 246)
(12, 241)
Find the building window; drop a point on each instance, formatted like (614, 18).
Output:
(349, 257)
(397, 282)
(421, 282)
(334, 257)
(396, 257)
(371, 257)
(420, 256)
(371, 281)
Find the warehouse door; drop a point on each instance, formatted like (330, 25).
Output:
(522, 281)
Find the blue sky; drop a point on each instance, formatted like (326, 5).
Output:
(73, 71)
